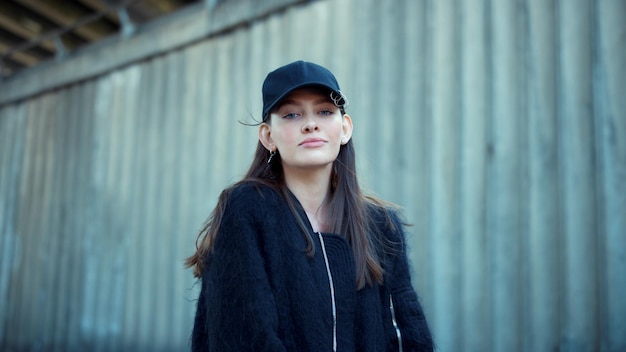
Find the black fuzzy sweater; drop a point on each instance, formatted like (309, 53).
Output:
(261, 292)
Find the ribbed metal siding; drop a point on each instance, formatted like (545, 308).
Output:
(499, 126)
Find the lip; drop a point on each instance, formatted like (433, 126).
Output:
(312, 142)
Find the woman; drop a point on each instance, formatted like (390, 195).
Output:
(294, 257)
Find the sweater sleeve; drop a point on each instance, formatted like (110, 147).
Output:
(411, 321)
(236, 308)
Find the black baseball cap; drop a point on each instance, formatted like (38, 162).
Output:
(285, 79)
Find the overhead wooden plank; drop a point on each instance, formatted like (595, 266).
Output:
(103, 7)
(68, 14)
(18, 23)
(22, 58)
(189, 25)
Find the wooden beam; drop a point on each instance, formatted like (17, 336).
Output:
(21, 25)
(100, 6)
(8, 66)
(67, 14)
(189, 25)
(22, 58)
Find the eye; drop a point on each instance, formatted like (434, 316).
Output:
(326, 111)
(291, 115)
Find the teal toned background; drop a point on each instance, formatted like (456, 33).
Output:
(499, 127)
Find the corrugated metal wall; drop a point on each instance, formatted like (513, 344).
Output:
(500, 127)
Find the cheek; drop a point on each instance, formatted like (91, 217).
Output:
(285, 135)
(335, 131)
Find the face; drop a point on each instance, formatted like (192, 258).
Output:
(307, 129)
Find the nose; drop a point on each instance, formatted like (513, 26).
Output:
(310, 125)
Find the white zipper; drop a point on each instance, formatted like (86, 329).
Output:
(395, 323)
(332, 292)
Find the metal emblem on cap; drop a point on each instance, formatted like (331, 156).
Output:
(339, 99)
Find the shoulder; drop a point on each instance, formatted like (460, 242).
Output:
(247, 201)
(386, 220)
(251, 195)
(245, 212)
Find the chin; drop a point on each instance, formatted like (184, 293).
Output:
(312, 163)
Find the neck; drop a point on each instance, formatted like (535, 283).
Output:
(311, 188)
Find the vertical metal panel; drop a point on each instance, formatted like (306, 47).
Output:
(150, 225)
(504, 173)
(61, 154)
(577, 167)
(610, 105)
(474, 111)
(133, 326)
(414, 133)
(34, 237)
(98, 245)
(363, 73)
(127, 106)
(83, 220)
(444, 173)
(545, 250)
(383, 128)
(12, 129)
(497, 125)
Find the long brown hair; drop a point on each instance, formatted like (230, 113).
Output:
(347, 212)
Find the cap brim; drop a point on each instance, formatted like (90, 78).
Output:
(286, 93)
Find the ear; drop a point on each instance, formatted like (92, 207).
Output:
(346, 128)
(265, 136)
